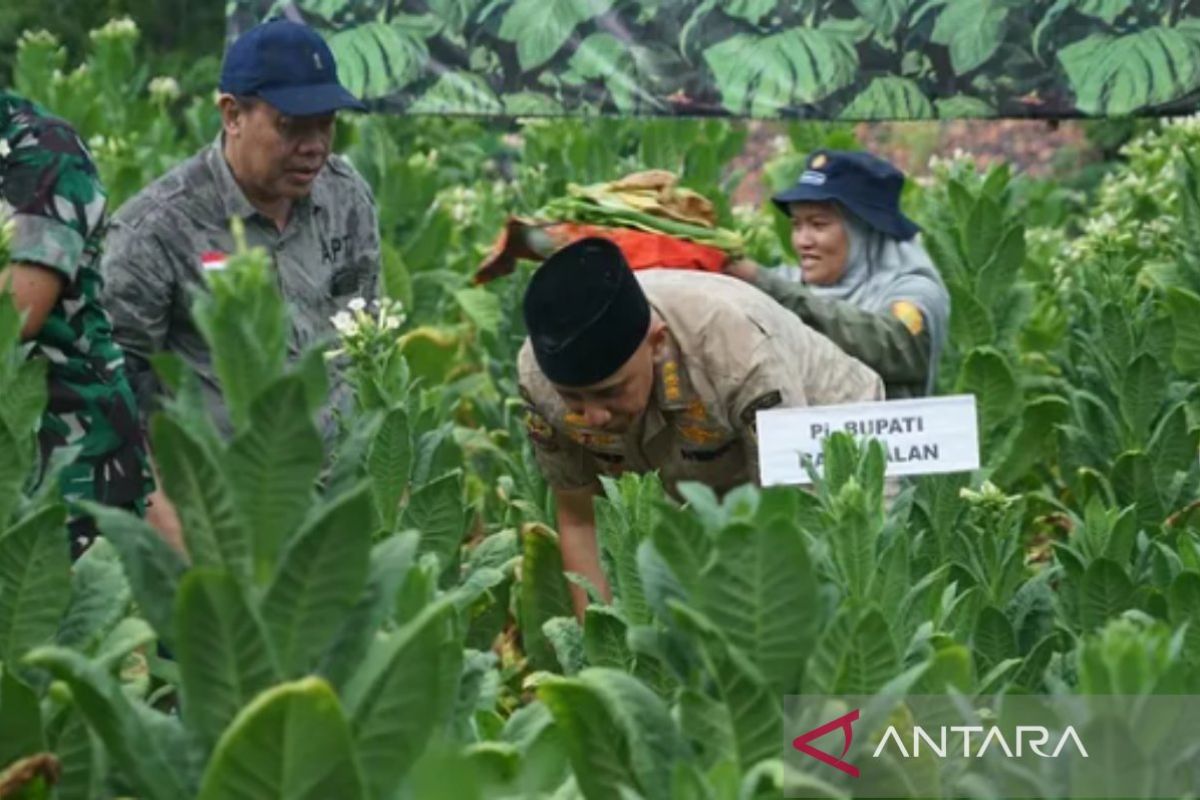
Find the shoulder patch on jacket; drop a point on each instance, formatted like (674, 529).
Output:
(760, 403)
(910, 315)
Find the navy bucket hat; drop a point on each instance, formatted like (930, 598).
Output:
(288, 65)
(865, 185)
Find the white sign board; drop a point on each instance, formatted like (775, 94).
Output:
(920, 437)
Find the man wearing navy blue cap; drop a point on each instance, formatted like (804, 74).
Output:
(272, 168)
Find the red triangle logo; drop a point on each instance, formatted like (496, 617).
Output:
(845, 723)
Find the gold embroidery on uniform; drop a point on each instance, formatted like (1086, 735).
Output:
(697, 434)
(695, 427)
(592, 440)
(672, 391)
(578, 432)
(910, 315)
(539, 429)
(695, 411)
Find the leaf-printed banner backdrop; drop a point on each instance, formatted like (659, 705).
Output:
(848, 59)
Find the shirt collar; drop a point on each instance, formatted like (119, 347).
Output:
(229, 194)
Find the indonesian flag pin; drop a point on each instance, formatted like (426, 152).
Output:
(213, 260)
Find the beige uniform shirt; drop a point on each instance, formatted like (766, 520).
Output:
(731, 351)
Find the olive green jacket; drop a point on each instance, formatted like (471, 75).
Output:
(881, 341)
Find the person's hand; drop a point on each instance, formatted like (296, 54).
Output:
(577, 541)
(742, 268)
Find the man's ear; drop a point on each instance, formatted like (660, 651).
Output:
(232, 114)
(657, 335)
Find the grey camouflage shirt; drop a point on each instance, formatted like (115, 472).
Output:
(163, 241)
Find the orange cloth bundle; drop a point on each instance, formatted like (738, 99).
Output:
(642, 249)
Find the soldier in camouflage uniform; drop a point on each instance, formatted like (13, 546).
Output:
(51, 194)
(663, 371)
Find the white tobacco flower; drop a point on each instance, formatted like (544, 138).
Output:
(164, 88)
(123, 28)
(37, 37)
(357, 304)
(344, 323)
(988, 494)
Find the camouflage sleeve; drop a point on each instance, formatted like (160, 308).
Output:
(137, 294)
(56, 197)
(896, 345)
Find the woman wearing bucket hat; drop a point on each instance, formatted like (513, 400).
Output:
(863, 280)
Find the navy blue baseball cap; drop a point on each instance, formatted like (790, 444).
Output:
(288, 65)
(865, 185)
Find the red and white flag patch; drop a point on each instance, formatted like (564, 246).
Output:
(213, 260)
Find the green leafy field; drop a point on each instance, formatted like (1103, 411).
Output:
(395, 623)
(847, 59)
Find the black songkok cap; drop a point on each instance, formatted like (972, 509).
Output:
(585, 313)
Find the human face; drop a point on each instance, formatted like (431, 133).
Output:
(616, 403)
(274, 157)
(819, 237)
